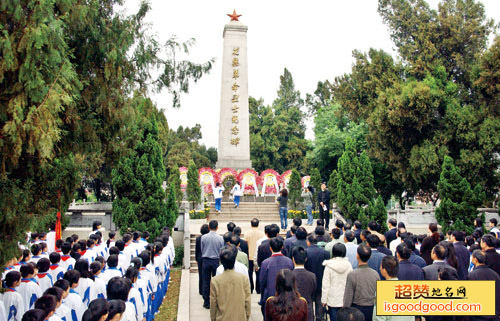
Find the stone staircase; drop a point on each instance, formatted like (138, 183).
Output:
(266, 212)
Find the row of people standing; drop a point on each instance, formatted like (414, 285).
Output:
(88, 270)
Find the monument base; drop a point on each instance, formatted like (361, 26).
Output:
(237, 164)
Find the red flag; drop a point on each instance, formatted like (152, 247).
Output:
(58, 226)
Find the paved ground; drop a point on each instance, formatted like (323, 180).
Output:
(198, 313)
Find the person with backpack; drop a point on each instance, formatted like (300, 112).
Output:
(307, 196)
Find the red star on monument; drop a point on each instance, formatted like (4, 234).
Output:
(234, 16)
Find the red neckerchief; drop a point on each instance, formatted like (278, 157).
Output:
(65, 257)
(42, 275)
(82, 253)
(58, 250)
(142, 269)
(126, 245)
(277, 254)
(54, 266)
(10, 290)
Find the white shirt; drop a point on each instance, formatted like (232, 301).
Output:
(110, 273)
(44, 280)
(57, 272)
(14, 306)
(67, 262)
(55, 317)
(129, 314)
(99, 287)
(218, 192)
(74, 302)
(134, 297)
(51, 241)
(64, 312)
(238, 267)
(236, 191)
(394, 244)
(3, 314)
(30, 292)
(86, 290)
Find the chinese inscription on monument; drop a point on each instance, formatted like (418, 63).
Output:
(235, 139)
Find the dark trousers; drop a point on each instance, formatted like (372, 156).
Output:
(366, 310)
(318, 307)
(257, 281)
(250, 274)
(209, 269)
(200, 274)
(325, 216)
(332, 312)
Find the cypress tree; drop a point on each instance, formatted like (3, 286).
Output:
(193, 186)
(172, 209)
(294, 189)
(378, 213)
(315, 181)
(332, 185)
(346, 183)
(137, 181)
(174, 182)
(459, 202)
(365, 177)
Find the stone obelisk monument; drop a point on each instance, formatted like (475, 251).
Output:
(234, 136)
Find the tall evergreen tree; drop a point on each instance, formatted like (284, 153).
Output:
(138, 183)
(294, 189)
(377, 212)
(346, 183)
(459, 202)
(193, 186)
(315, 181)
(174, 183)
(332, 185)
(172, 208)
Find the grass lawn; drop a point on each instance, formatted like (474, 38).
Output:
(168, 309)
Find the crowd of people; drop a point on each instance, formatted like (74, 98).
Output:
(87, 279)
(333, 274)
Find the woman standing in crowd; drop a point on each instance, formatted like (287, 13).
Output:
(236, 192)
(282, 201)
(287, 304)
(334, 280)
(429, 242)
(219, 189)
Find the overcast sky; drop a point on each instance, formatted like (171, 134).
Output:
(314, 41)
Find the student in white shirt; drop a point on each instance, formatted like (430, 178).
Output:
(67, 262)
(134, 295)
(111, 270)
(237, 193)
(43, 276)
(12, 300)
(96, 226)
(36, 250)
(48, 303)
(141, 284)
(86, 285)
(99, 284)
(73, 301)
(29, 289)
(118, 289)
(98, 310)
(55, 270)
(123, 262)
(62, 311)
(129, 249)
(90, 253)
(51, 238)
(219, 189)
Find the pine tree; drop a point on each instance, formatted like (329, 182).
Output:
(137, 180)
(174, 182)
(294, 189)
(172, 209)
(458, 207)
(193, 186)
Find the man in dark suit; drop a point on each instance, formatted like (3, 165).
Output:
(376, 257)
(270, 268)
(264, 249)
(391, 234)
(462, 254)
(314, 263)
(305, 280)
(407, 270)
(438, 255)
(287, 248)
(324, 205)
(483, 272)
(301, 236)
(488, 245)
(297, 222)
(197, 253)
(243, 244)
(357, 231)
